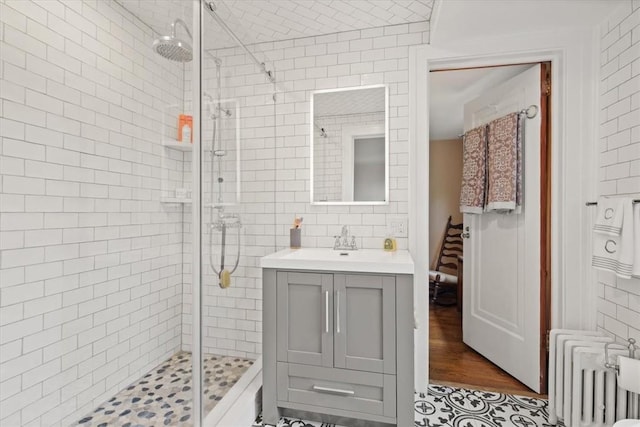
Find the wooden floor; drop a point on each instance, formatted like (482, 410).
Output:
(454, 363)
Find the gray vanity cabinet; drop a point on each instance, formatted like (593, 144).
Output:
(338, 347)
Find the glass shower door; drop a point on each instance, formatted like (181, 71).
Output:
(235, 173)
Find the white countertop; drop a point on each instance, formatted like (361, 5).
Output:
(361, 261)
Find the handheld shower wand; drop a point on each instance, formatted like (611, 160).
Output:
(222, 222)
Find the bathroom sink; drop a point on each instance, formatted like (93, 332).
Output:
(363, 260)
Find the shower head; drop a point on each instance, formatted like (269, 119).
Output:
(173, 48)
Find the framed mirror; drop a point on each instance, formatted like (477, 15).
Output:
(350, 146)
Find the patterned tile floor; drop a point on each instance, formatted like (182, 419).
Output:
(445, 406)
(163, 396)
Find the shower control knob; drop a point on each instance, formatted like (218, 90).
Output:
(220, 180)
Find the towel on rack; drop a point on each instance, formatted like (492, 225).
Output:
(472, 191)
(504, 164)
(616, 253)
(609, 215)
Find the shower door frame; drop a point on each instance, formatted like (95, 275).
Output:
(239, 404)
(196, 210)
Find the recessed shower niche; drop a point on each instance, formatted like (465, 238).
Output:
(220, 157)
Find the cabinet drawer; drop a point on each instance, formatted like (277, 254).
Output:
(363, 392)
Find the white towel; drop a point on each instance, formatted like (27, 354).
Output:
(609, 216)
(636, 240)
(616, 253)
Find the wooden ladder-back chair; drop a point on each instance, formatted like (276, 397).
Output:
(444, 275)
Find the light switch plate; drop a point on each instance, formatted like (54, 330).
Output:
(398, 226)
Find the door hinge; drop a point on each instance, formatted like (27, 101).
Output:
(547, 340)
(546, 86)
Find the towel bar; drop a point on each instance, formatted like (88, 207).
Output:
(595, 203)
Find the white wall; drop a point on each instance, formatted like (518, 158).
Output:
(445, 179)
(619, 154)
(91, 266)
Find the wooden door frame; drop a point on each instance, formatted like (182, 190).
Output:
(545, 205)
(545, 220)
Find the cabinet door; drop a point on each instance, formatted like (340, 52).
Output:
(304, 318)
(365, 337)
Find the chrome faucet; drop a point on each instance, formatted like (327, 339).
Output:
(342, 241)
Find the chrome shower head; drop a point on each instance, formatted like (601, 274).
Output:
(173, 49)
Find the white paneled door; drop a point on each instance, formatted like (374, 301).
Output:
(501, 308)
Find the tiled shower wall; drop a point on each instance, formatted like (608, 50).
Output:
(619, 159)
(231, 318)
(91, 267)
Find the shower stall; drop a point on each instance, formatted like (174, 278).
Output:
(136, 297)
(230, 222)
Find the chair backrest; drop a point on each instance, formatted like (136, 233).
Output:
(451, 247)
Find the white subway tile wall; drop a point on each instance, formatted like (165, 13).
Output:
(354, 58)
(231, 318)
(275, 164)
(619, 159)
(91, 262)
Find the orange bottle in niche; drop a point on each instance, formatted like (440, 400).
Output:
(185, 127)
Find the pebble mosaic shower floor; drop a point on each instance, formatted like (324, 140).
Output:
(445, 406)
(163, 396)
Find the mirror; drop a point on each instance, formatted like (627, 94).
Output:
(350, 146)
